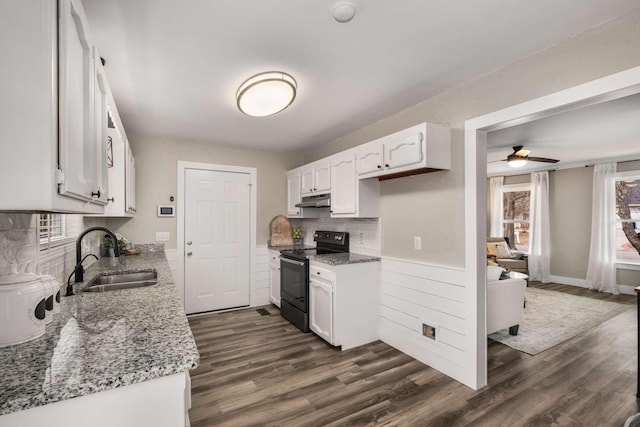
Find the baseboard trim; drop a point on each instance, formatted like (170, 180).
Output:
(582, 283)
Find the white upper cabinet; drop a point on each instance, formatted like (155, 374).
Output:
(293, 194)
(343, 193)
(370, 158)
(130, 179)
(53, 109)
(101, 119)
(350, 196)
(421, 148)
(77, 145)
(316, 178)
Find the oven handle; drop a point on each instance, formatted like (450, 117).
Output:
(290, 261)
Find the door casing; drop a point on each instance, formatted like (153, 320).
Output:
(180, 218)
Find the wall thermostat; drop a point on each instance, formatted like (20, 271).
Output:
(166, 210)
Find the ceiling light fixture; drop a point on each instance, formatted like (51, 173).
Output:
(516, 161)
(344, 12)
(266, 93)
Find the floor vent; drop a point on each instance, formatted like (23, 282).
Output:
(263, 312)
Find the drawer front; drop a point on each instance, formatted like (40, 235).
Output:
(321, 273)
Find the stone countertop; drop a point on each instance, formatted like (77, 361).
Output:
(102, 341)
(290, 247)
(343, 258)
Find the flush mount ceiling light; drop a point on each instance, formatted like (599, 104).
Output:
(266, 93)
(344, 12)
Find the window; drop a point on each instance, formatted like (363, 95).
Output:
(57, 229)
(515, 217)
(628, 217)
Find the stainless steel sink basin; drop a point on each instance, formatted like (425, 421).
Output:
(112, 282)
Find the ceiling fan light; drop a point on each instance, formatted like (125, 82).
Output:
(517, 163)
(266, 93)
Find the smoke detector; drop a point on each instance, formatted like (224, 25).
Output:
(344, 12)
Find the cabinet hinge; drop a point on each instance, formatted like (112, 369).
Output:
(60, 176)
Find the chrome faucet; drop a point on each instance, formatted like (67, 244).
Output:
(79, 270)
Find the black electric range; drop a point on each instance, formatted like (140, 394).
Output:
(294, 275)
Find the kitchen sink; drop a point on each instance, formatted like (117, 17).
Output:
(113, 282)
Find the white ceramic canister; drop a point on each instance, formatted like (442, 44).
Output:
(22, 308)
(50, 292)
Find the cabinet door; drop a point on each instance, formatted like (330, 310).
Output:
(77, 150)
(343, 193)
(321, 309)
(275, 279)
(293, 194)
(322, 177)
(100, 132)
(306, 181)
(404, 151)
(369, 158)
(130, 179)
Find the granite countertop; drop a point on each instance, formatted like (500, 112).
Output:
(101, 341)
(343, 258)
(290, 247)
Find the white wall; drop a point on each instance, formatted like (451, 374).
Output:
(156, 181)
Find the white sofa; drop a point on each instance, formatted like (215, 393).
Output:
(505, 302)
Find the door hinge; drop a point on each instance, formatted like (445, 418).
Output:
(59, 176)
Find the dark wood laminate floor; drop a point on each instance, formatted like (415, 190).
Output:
(260, 370)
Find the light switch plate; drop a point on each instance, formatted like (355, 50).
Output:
(162, 236)
(417, 243)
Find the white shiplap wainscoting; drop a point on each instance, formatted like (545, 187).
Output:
(413, 294)
(172, 259)
(261, 281)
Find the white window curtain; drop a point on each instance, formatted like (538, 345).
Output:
(495, 206)
(539, 228)
(601, 273)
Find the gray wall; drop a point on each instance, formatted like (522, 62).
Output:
(156, 180)
(432, 205)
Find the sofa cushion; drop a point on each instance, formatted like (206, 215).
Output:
(493, 273)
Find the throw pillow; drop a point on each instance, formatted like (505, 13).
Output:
(502, 250)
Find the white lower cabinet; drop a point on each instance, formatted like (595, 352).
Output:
(344, 303)
(274, 275)
(321, 309)
(160, 402)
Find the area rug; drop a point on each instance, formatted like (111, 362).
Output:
(552, 317)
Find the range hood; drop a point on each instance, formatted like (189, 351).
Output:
(321, 201)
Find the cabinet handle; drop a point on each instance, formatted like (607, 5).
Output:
(189, 243)
(111, 199)
(379, 167)
(386, 165)
(189, 253)
(318, 273)
(97, 193)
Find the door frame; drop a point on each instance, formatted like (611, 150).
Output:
(180, 217)
(607, 88)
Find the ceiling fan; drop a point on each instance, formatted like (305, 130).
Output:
(520, 157)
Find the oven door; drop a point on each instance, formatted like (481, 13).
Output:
(294, 282)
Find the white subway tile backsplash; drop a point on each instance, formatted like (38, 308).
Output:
(371, 229)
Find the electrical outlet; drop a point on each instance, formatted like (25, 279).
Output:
(162, 236)
(417, 243)
(429, 331)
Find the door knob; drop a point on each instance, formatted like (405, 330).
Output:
(189, 242)
(189, 253)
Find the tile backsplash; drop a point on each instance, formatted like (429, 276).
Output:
(19, 244)
(17, 241)
(365, 234)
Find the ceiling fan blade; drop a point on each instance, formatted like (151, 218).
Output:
(495, 161)
(543, 159)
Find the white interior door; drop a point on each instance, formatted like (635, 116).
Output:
(217, 240)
